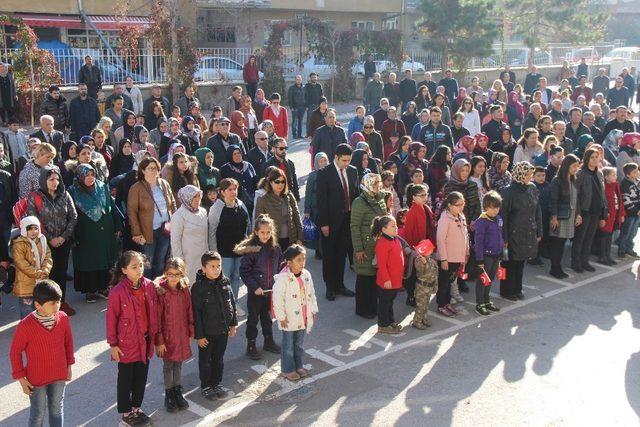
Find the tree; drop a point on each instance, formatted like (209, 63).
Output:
(539, 21)
(458, 29)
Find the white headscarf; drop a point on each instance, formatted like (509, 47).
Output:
(24, 224)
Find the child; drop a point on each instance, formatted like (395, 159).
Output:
(617, 212)
(540, 181)
(102, 104)
(390, 271)
(175, 113)
(140, 120)
(566, 101)
(17, 143)
(49, 354)
(426, 285)
(211, 195)
(295, 308)
(261, 259)
(479, 175)
(417, 176)
(488, 248)
(452, 249)
(132, 326)
(32, 258)
(215, 320)
(176, 330)
(400, 220)
(387, 185)
(631, 200)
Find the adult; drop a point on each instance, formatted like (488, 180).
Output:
(191, 130)
(8, 94)
(381, 114)
(575, 128)
(280, 161)
(450, 86)
(282, 207)
(29, 178)
(414, 160)
(251, 76)
(95, 249)
(188, 239)
(91, 75)
(123, 161)
(48, 134)
(296, 101)
(629, 152)
(440, 101)
(423, 120)
(499, 175)
(83, 113)
(117, 113)
(628, 80)
(208, 175)
(55, 105)
(367, 206)
(356, 123)
(621, 122)
(430, 84)
(531, 80)
(180, 174)
(529, 147)
(422, 99)
(150, 121)
(618, 95)
(310, 195)
(555, 112)
(53, 206)
(317, 117)
(106, 125)
(589, 120)
(260, 103)
(372, 137)
(435, 133)
(278, 116)
(326, 138)
(188, 96)
(87, 155)
(220, 142)
(583, 90)
(475, 87)
(134, 93)
(471, 120)
(392, 130)
(127, 130)
(232, 103)
(460, 181)
(409, 117)
(241, 171)
(336, 190)
(140, 141)
(259, 154)
(118, 91)
(373, 93)
(150, 204)
(559, 131)
(251, 121)
(493, 128)
(369, 68)
(154, 115)
(457, 130)
(313, 93)
(408, 89)
(392, 90)
(229, 224)
(507, 71)
(515, 113)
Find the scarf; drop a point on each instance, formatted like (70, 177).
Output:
(241, 130)
(582, 144)
(186, 195)
(6, 70)
(316, 160)
(520, 171)
(411, 159)
(462, 94)
(455, 171)
(172, 148)
(514, 102)
(92, 201)
(121, 162)
(129, 132)
(240, 167)
(368, 183)
(465, 145)
(26, 222)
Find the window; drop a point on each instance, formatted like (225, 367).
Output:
(288, 36)
(364, 25)
(390, 24)
(88, 39)
(216, 26)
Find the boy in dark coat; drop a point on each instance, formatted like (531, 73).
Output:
(540, 181)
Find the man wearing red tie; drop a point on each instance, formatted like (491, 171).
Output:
(337, 187)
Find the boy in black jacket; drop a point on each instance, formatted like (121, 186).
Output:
(631, 200)
(215, 320)
(540, 180)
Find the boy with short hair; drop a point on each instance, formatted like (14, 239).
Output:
(631, 200)
(215, 320)
(540, 181)
(46, 340)
(102, 102)
(17, 142)
(489, 244)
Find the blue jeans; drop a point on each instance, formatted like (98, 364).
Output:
(292, 351)
(296, 122)
(51, 395)
(231, 269)
(25, 307)
(628, 233)
(157, 252)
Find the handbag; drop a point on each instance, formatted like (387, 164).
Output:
(564, 211)
(310, 231)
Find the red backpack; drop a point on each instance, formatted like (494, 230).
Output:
(20, 208)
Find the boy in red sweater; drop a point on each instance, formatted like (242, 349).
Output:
(46, 339)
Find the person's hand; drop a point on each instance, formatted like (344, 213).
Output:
(602, 223)
(118, 234)
(325, 230)
(140, 240)
(387, 284)
(481, 267)
(27, 388)
(421, 259)
(232, 331)
(284, 323)
(578, 220)
(472, 225)
(116, 353)
(361, 257)
(42, 275)
(259, 292)
(621, 219)
(54, 242)
(307, 215)
(69, 373)
(202, 342)
(554, 223)
(5, 264)
(161, 349)
(444, 265)
(315, 317)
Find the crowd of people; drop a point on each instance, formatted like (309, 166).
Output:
(167, 213)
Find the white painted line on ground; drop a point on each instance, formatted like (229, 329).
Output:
(317, 354)
(535, 288)
(498, 296)
(423, 339)
(367, 337)
(436, 315)
(606, 267)
(200, 411)
(554, 280)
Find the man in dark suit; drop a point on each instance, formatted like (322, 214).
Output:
(260, 153)
(279, 160)
(326, 138)
(48, 134)
(336, 187)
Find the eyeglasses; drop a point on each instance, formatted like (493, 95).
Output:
(262, 139)
(282, 148)
(173, 275)
(279, 181)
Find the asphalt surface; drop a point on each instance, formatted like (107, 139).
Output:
(566, 355)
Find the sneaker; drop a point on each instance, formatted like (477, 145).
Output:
(633, 254)
(396, 326)
(492, 307)
(130, 420)
(143, 419)
(221, 392)
(208, 393)
(453, 301)
(411, 302)
(482, 310)
(103, 293)
(240, 312)
(91, 298)
(388, 330)
(67, 309)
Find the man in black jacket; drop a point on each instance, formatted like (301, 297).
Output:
(618, 95)
(435, 133)
(336, 189)
(91, 76)
(118, 90)
(83, 114)
(279, 160)
(392, 90)
(507, 70)
(219, 142)
(589, 120)
(326, 138)
(369, 68)
(259, 154)
(555, 112)
(312, 93)
(531, 120)
(531, 80)
(494, 127)
(620, 122)
(575, 128)
(430, 84)
(450, 86)
(55, 105)
(601, 83)
(408, 89)
(559, 130)
(47, 133)
(150, 121)
(296, 101)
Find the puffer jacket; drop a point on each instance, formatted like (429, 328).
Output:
(363, 210)
(57, 109)
(124, 317)
(472, 207)
(214, 306)
(522, 220)
(287, 300)
(259, 264)
(25, 261)
(57, 215)
(176, 322)
(271, 205)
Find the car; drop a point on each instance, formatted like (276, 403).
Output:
(111, 73)
(385, 65)
(626, 53)
(219, 68)
(540, 57)
(590, 54)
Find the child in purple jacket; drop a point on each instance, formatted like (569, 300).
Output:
(488, 248)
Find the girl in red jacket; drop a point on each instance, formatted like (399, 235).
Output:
(390, 270)
(176, 330)
(132, 327)
(617, 214)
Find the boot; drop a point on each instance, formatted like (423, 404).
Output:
(252, 350)
(270, 345)
(180, 400)
(170, 400)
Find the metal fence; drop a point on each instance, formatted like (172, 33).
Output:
(148, 65)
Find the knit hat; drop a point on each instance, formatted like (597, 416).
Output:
(25, 223)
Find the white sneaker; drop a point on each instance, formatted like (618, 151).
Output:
(455, 293)
(240, 312)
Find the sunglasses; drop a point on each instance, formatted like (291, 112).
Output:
(279, 181)
(282, 148)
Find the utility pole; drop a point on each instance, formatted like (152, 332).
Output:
(173, 18)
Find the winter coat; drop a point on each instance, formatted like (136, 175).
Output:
(83, 115)
(472, 207)
(390, 258)
(392, 93)
(124, 318)
(57, 215)
(434, 136)
(586, 189)
(522, 219)
(214, 306)
(408, 90)
(287, 300)
(280, 122)
(183, 102)
(56, 108)
(488, 237)
(29, 179)
(326, 139)
(271, 205)
(259, 265)
(617, 209)
(136, 99)
(315, 120)
(295, 96)
(290, 172)
(25, 262)
(189, 238)
(626, 156)
(452, 239)
(175, 316)
(419, 225)
(214, 221)
(566, 227)
(312, 94)
(98, 162)
(374, 139)
(140, 207)
(219, 146)
(373, 92)
(630, 196)
(310, 198)
(363, 210)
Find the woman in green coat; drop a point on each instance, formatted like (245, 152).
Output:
(95, 249)
(368, 205)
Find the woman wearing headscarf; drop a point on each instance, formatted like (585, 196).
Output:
(259, 104)
(310, 198)
(315, 119)
(458, 102)
(367, 206)
(86, 155)
(515, 113)
(375, 164)
(180, 175)
(611, 144)
(127, 130)
(464, 148)
(69, 152)
(123, 161)
(95, 250)
(189, 239)
(522, 225)
(360, 160)
(415, 160)
(243, 172)
(172, 135)
(499, 175)
(355, 138)
(628, 152)
(410, 116)
(192, 132)
(439, 172)
(267, 126)
(372, 137)
(57, 214)
(155, 136)
(238, 126)
(141, 141)
(529, 147)
(582, 144)
(208, 175)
